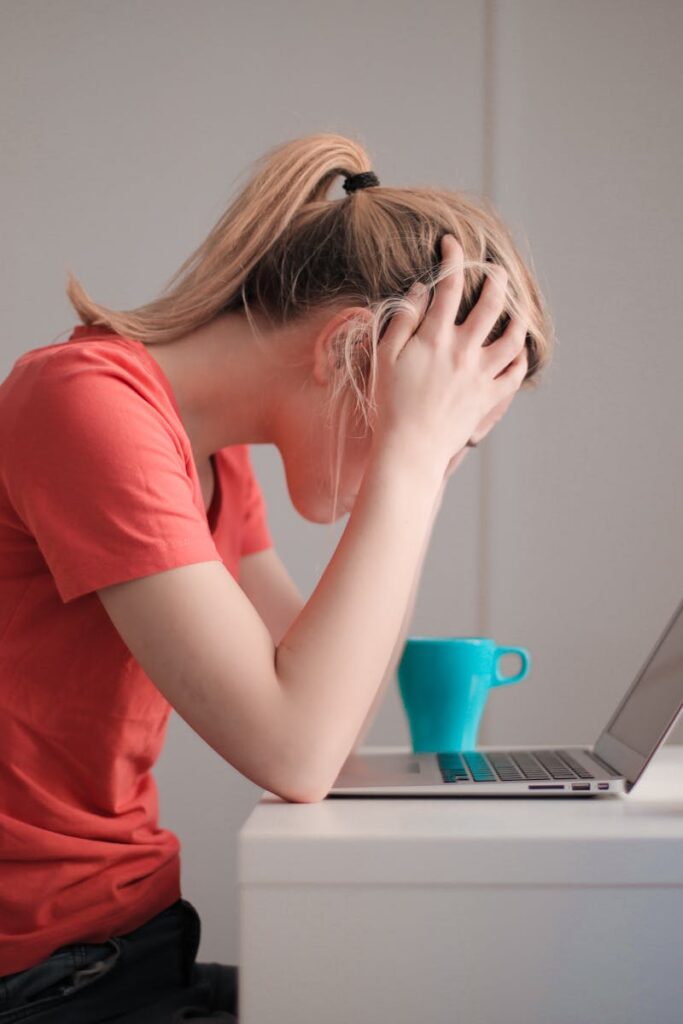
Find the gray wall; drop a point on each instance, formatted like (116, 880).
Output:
(124, 129)
(585, 544)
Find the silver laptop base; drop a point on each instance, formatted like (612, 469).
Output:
(487, 771)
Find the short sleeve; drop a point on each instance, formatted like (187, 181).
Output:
(256, 534)
(98, 476)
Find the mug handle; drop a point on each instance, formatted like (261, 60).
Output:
(499, 680)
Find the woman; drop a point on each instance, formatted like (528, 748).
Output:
(137, 571)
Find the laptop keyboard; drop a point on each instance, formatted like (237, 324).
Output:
(510, 766)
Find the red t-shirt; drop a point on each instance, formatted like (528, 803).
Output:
(97, 485)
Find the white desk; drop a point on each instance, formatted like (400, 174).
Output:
(477, 910)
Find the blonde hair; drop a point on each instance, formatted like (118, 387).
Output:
(287, 249)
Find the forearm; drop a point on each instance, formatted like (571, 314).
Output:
(400, 643)
(333, 658)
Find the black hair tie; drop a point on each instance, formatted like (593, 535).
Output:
(366, 179)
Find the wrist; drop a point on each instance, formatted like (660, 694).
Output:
(391, 455)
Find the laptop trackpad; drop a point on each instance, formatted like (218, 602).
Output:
(382, 769)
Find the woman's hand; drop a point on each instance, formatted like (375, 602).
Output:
(484, 427)
(480, 433)
(439, 385)
(489, 421)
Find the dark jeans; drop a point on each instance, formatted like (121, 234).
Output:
(147, 976)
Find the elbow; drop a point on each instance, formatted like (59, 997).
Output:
(308, 797)
(306, 759)
(310, 788)
(298, 777)
(312, 783)
(302, 794)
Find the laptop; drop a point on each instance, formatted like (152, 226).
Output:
(614, 764)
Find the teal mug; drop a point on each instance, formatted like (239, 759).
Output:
(444, 684)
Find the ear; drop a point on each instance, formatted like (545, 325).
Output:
(326, 349)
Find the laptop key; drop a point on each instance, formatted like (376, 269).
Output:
(552, 763)
(529, 766)
(479, 768)
(504, 767)
(579, 769)
(452, 768)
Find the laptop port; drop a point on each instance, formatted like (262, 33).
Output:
(581, 785)
(603, 785)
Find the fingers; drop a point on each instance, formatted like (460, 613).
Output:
(492, 417)
(404, 323)
(443, 310)
(483, 315)
(501, 352)
(511, 378)
(448, 292)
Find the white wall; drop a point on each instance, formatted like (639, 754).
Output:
(124, 127)
(586, 538)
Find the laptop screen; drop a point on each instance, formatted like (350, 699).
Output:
(655, 698)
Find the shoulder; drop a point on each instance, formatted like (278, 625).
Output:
(86, 376)
(95, 402)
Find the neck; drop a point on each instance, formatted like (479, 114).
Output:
(225, 382)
